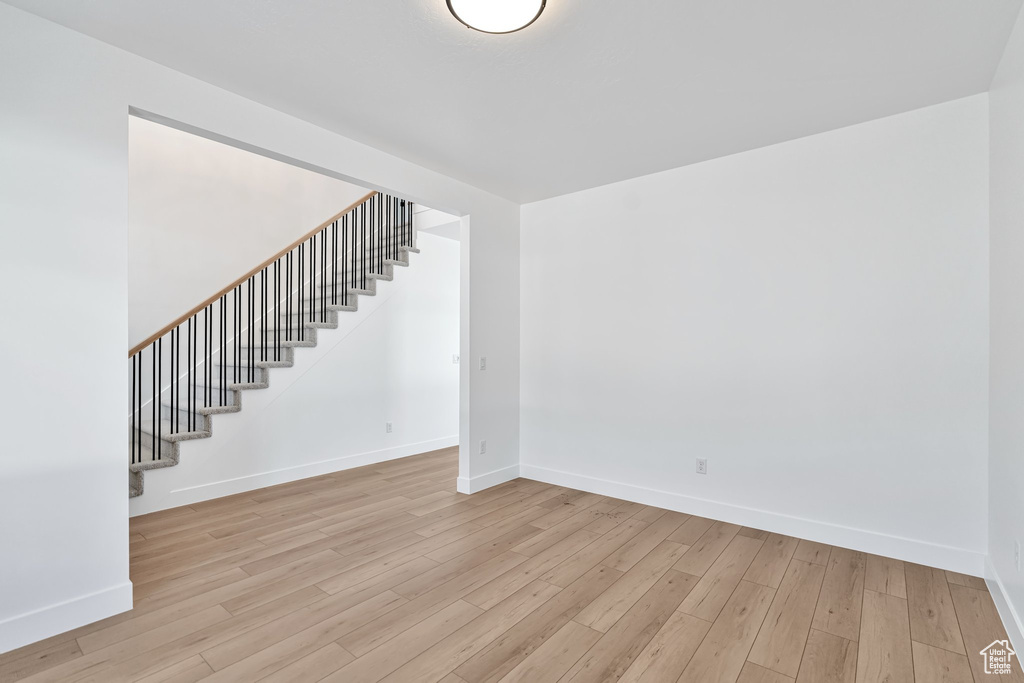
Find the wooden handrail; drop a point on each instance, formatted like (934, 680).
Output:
(167, 328)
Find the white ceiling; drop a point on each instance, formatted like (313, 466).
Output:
(596, 91)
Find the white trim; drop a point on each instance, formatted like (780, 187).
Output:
(476, 484)
(921, 552)
(1011, 620)
(32, 627)
(252, 482)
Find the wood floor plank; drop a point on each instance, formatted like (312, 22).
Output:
(584, 560)
(313, 667)
(815, 553)
(95, 662)
(976, 582)
(753, 533)
(569, 509)
(15, 669)
(607, 609)
(932, 616)
(455, 649)
(703, 553)
(512, 647)
(772, 560)
(305, 630)
(828, 659)
(839, 602)
(446, 571)
(388, 626)
(186, 671)
(636, 548)
(381, 661)
(650, 514)
(885, 575)
(723, 652)
(709, 596)
(173, 651)
(669, 651)
(555, 656)
(613, 654)
(884, 650)
(559, 532)
(779, 645)
(501, 587)
(486, 534)
(613, 518)
(690, 531)
(935, 665)
(752, 673)
(980, 625)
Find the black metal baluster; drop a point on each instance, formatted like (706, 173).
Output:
(277, 309)
(189, 387)
(170, 389)
(159, 395)
(223, 349)
(208, 356)
(263, 318)
(175, 380)
(236, 314)
(288, 304)
(362, 243)
(152, 454)
(252, 339)
(344, 260)
(131, 433)
(323, 274)
(141, 380)
(312, 278)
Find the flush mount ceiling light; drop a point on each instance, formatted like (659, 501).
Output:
(496, 16)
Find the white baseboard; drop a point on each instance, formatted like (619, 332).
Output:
(481, 482)
(1011, 620)
(26, 629)
(252, 482)
(921, 552)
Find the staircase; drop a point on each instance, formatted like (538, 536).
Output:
(200, 365)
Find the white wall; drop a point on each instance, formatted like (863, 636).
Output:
(390, 361)
(810, 317)
(201, 214)
(64, 142)
(1006, 460)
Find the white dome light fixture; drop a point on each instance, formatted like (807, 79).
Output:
(496, 16)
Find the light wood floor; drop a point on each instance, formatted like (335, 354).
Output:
(385, 573)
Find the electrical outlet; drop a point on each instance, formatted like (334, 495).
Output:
(455, 359)
(483, 446)
(387, 427)
(1016, 554)
(702, 466)
(483, 362)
